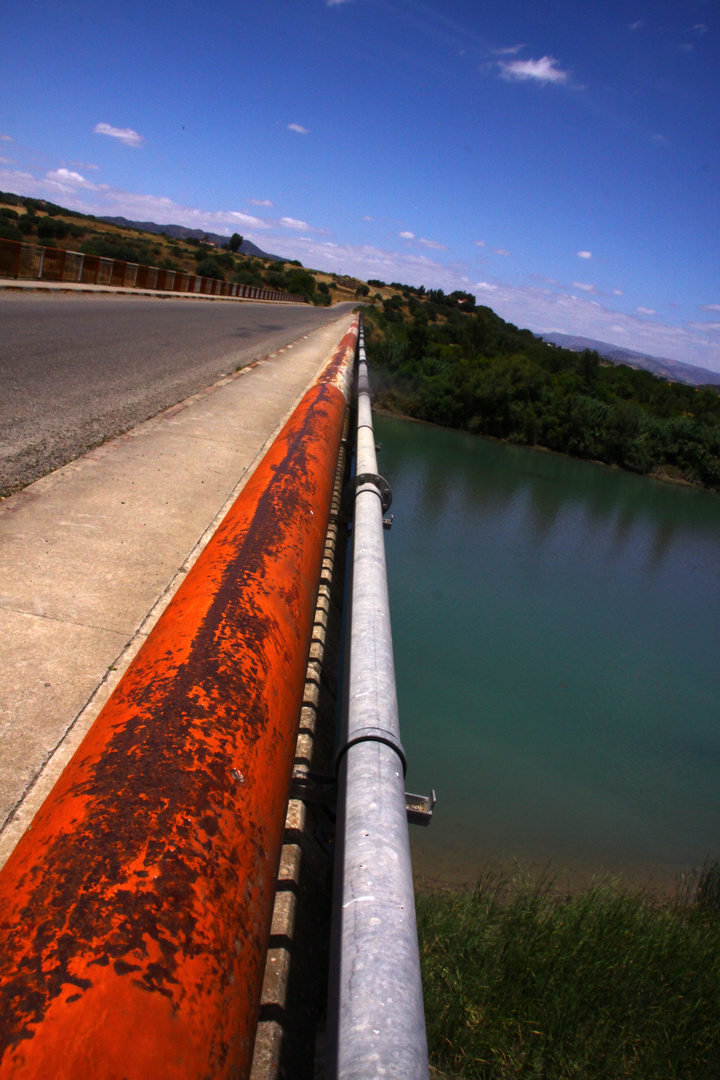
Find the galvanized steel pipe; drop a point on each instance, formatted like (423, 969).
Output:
(135, 911)
(377, 1022)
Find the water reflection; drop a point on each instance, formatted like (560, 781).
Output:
(556, 632)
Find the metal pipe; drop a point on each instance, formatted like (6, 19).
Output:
(377, 1022)
(135, 911)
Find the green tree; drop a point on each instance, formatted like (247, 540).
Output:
(235, 241)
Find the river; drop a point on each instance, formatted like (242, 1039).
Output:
(556, 626)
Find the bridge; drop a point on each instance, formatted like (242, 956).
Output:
(171, 618)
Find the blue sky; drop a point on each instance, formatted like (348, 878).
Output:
(559, 160)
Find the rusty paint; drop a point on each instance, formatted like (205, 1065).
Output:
(135, 912)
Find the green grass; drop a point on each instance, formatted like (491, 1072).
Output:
(521, 980)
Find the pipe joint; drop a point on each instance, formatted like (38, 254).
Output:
(372, 734)
(368, 482)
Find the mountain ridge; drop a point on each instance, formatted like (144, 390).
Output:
(181, 232)
(674, 370)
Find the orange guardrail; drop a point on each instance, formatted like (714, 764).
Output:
(135, 911)
(28, 261)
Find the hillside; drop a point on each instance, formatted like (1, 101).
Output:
(180, 232)
(674, 370)
(443, 359)
(169, 247)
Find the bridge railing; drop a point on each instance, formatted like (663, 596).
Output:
(135, 912)
(30, 262)
(376, 1020)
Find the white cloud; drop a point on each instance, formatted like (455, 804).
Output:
(584, 254)
(710, 307)
(432, 244)
(705, 326)
(102, 199)
(248, 220)
(511, 50)
(299, 129)
(125, 135)
(543, 71)
(6, 138)
(637, 25)
(406, 235)
(617, 292)
(367, 217)
(645, 311)
(687, 46)
(485, 286)
(337, 3)
(501, 251)
(480, 243)
(294, 223)
(84, 165)
(260, 202)
(65, 176)
(700, 29)
(583, 286)
(7, 161)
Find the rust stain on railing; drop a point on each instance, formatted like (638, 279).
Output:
(135, 911)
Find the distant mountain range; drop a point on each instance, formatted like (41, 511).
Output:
(673, 370)
(179, 232)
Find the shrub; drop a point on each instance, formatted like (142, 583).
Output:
(277, 281)
(209, 268)
(248, 277)
(301, 282)
(8, 231)
(49, 227)
(113, 249)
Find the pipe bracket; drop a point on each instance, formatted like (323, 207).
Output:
(364, 482)
(372, 734)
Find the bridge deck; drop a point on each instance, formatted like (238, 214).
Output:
(91, 554)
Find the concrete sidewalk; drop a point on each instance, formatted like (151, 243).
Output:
(91, 555)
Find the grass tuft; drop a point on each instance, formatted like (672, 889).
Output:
(522, 980)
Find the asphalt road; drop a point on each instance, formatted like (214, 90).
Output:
(76, 371)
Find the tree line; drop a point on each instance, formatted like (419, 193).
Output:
(444, 359)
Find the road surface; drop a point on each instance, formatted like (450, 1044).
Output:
(76, 371)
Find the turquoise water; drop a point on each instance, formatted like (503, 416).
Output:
(557, 628)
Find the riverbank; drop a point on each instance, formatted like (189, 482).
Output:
(662, 473)
(466, 368)
(521, 978)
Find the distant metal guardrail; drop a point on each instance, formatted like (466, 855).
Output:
(27, 261)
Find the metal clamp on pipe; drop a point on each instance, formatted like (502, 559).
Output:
(364, 482)
(373, 734)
